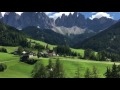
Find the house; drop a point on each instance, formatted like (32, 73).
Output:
(30, 55)
(51, 53)
(43, 54)
(24, 52)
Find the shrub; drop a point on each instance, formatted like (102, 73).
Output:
(3, 67)
(3, 50)
(24, 58)
(31, 61)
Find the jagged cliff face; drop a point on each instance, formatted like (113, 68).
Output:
(74, 27)
(35, 19)
(69, 31)
(79, 20)
(71, 20)
(75, 23)
(0, 15)
(28, 19)
(12, 19)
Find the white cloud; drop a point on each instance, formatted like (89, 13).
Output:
(49, 13)
(93, 12)
(59, 14)
(100, 14)
(16, 12)
(19, 13)
(2, 13)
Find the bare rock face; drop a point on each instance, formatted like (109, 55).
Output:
(39, 19)
(44, 21)
(65, 24)
(26, 19)
(0, 15)
(71, 20)
(69, 31)
(80, 21)
(12, 19)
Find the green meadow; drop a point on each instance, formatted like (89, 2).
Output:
(16, 69)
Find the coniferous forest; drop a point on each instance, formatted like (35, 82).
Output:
(10, 36)
(35, 45)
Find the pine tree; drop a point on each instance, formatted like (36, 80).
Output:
(58, 69)
(47, 47)
(89, 54)
(87, 73)
(50, 67)
(108, 73)
(39, 71)
(95, 72)
(118, 68)
(20, 50)
(114, 71)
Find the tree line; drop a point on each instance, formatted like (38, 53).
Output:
(113, 72)
(101, 55)
(50, 71)
(65, 50)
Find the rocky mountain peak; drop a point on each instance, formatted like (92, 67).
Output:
(0, 15)
(11, 18)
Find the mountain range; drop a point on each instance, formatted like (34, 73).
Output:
(108, 40)
(74, 28)
(45, 35)
(41, 20)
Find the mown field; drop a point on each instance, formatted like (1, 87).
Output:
(16, 69)
(81, 51)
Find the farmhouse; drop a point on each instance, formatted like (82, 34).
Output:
(43, 54)
(24, 52)
(47, 53)
(51, 53)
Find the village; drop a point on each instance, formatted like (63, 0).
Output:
(26, 56)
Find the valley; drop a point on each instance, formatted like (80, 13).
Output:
(17, 69)
(35, 45)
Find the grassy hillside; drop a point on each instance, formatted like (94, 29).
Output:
(46, 35)
(42, 43)
(17, 69)
(81, 51)
(7, 57)
(9, 49)
(107, 40)
(71, 65)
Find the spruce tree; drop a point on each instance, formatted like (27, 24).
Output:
(87, 73)
(39, 71)
(95, 72)
(20, 50)
(50, 68)
(58, 69)
(108, 73)
(114, 71)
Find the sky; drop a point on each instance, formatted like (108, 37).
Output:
(91, 15)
